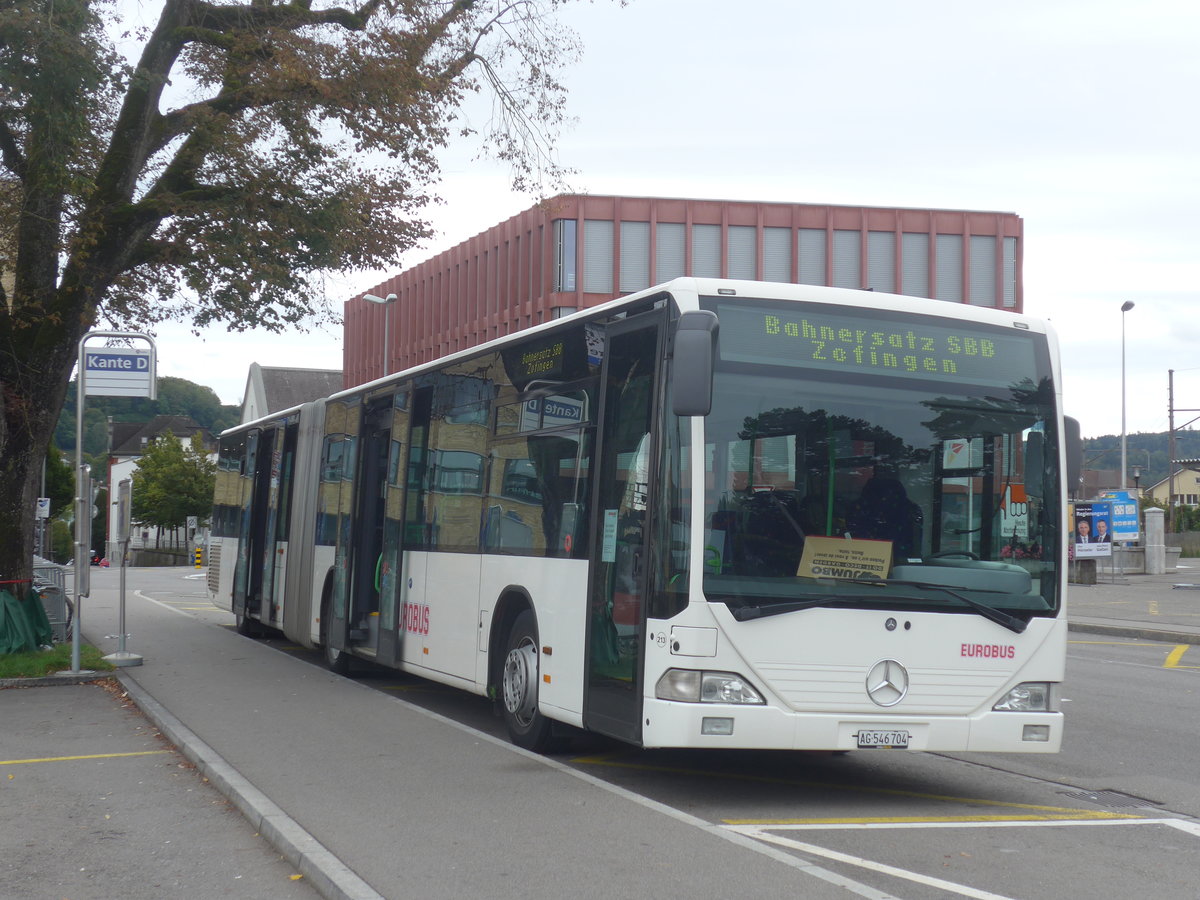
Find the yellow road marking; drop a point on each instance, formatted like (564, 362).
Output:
(48, 759)
(1175, 656)
(1065, 812)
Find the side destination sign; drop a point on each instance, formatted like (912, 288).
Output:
(117, 372)
(844, 340)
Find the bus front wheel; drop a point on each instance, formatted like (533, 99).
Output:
(527, 727)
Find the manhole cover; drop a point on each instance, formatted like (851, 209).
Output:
(1109, 798)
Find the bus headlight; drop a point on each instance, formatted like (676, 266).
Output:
(1030, 696)
(691, 686)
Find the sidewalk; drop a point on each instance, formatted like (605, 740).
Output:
(1146, 607)
(358, 792)
(98, 805)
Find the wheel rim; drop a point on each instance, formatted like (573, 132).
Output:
(520, 681)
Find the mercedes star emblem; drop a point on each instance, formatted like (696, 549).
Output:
(887, 682)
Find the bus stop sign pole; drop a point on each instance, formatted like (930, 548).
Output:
(119, 372)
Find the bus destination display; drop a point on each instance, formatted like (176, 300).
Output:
(814, 337)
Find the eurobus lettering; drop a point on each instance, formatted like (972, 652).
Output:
(607, 523)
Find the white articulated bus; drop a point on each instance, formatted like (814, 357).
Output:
(718, 514)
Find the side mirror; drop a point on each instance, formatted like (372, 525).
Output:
(695, 354)
(1074, 450)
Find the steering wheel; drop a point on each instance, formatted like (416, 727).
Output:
(942, 554)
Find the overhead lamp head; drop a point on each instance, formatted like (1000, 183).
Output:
(1127, 306)
(371, 298)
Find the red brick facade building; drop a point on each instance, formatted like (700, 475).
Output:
(575, 251)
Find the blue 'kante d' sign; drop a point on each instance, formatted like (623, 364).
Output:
(112, 362)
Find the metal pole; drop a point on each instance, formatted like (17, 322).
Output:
(81, 560)
(387, 336)
(1171, 451)
(1125, 307)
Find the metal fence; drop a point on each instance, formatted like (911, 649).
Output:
(50, 582)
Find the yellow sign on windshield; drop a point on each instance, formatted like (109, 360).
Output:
(835, 557)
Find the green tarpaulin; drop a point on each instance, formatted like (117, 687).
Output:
(24, 626)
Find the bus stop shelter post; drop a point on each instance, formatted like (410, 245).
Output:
(123, 657)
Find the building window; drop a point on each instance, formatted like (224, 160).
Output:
(949, 267)
(811, 255)
(742, 260)
(983, 270)
(847, 259)
(669, 251)
(881, 261)
(706, 251)
(1010, 272)
(914, 264)
(777, 254)
(564, 255)
(635, 256)
(597, 256)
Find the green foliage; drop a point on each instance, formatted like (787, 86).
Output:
(176, 397)
(252, 148)
(171, 483)
(60, 482)
(62, 541)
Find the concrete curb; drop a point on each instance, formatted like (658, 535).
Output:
(328, 875)
(57, 679)
(1133, 631)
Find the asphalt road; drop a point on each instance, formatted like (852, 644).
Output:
(417, 795)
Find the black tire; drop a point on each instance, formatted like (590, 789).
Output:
(337, 660)
(519, 681)
(246, 626)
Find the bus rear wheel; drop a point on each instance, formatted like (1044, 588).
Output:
(337, 660)
(246, 626)
(527, 727)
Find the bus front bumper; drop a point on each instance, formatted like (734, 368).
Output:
(705, 725)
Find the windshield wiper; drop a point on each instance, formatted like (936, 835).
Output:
(746, 613)
(1012, 623)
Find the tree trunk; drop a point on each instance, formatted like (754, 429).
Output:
(35, 370)
(24, 437)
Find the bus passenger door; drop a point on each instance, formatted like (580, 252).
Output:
(281, 447)
(626, 460)
(254, 546)
(368, 548)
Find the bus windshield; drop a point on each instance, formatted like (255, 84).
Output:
(856, 457)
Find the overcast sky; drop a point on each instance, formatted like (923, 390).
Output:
(1078, 116)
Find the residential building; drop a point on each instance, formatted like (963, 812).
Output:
(1187, 486)
(127, 443)
(271, 388)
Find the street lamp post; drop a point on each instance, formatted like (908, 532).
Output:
(1125, 307)
(387, 325)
